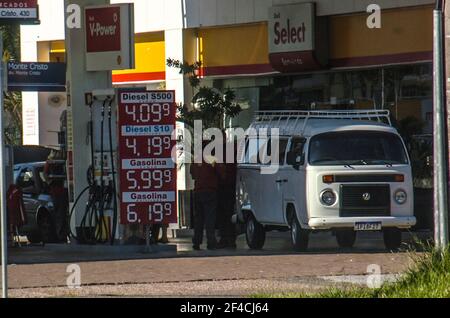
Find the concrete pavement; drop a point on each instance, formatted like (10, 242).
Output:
(217, 273)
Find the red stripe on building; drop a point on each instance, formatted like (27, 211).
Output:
(255, 69)
(139, 77)
(382, 59)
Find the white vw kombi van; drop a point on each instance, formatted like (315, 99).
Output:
(340, 171)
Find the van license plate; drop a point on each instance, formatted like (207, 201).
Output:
(368, 226)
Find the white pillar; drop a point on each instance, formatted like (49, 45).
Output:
(30, 100)
(174, 50)
(79, 81)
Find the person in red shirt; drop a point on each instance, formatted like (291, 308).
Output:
(207, 176)
(17, 216)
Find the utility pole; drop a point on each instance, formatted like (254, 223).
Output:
(440, 140)
(4, 238)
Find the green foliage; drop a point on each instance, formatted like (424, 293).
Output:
(12, 100)
(428, 278)
(211, 105)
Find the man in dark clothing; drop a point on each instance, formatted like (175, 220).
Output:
(206, 176)
(55, 175)
(227, 199)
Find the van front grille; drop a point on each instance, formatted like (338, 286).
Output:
(365, 200)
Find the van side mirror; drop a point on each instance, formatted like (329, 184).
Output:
(295, 160)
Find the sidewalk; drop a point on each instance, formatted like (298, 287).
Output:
(176, 270)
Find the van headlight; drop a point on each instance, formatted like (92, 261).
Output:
(328, 197)
(400, 197)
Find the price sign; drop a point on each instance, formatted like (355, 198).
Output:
(147, 171)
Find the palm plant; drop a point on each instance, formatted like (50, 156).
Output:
(208, 104)
(12, 100)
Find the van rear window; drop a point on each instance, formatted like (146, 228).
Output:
(357, 148)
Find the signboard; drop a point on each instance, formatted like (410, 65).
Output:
(293, 30)
(148, 174)
(36, 77)
(23, 11)
(109, 37)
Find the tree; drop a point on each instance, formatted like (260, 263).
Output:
(12, 100)
(208, 104)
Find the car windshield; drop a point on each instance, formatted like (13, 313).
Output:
(357, 148)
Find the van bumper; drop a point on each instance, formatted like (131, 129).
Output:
(339, 222)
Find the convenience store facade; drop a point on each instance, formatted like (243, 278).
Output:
(326, 56)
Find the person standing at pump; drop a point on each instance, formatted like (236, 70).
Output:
(17, 216)
(227, 199)
(55, 175)
(206, 175)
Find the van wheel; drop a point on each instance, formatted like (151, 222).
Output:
(392, 238)
(299, 236)
(254, 233)
(346, 238)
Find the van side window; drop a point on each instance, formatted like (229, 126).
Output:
(257, 149)
(242, 151)
(264, 151)
(280, 152)
(298, 145)
(251, 156)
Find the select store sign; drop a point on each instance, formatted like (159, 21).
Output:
(109, 37)
(19, 10)
(293, 30)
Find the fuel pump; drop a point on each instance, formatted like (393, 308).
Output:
(100, 218)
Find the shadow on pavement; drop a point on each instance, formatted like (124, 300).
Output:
(276, 244)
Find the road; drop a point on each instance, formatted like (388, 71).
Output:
(186, 273)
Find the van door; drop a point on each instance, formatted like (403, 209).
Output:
(273, 185)
(295, 189)
(248, 176)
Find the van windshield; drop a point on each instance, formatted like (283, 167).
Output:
(356, 148)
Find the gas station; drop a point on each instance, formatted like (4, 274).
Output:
(168, 29)
(99, 90)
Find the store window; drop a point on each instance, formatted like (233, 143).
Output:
(406, 90)
(333, 90)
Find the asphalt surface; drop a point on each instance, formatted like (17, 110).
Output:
(177, 271)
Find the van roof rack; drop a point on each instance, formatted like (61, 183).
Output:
(275, 118)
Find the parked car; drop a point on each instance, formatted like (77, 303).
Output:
(38, 203)
(339, 171)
